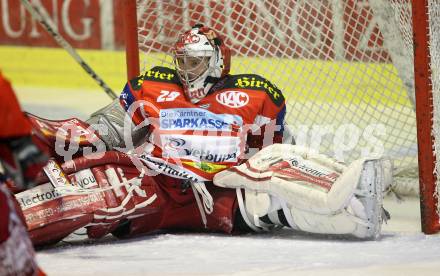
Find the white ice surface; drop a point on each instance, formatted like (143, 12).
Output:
(402, 250)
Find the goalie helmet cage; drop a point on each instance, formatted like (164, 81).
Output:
(346, 68)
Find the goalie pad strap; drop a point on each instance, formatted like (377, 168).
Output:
(243, 212)
(261, 222)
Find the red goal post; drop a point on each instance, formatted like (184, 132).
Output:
(425, 113)
(346, 68)
(131, 39)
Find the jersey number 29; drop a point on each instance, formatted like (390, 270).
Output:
(167, 96)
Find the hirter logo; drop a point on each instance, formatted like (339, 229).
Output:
(233, 99)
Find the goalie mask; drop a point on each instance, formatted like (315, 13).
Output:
(201, 59)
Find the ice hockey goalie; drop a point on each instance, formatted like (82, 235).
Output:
(195, 129)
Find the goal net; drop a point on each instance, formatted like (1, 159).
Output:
(345, 66)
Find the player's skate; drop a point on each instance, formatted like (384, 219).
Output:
(316, 193)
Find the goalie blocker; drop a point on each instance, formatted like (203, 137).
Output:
(293, 186)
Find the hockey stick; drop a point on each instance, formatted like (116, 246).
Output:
(36, 13)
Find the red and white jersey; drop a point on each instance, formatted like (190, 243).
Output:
(208, 136)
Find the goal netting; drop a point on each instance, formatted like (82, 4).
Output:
(345, 66)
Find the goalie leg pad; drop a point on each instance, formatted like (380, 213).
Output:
(115, 193)
(310, 181)
(352, 204)
(340, 223)
(374, 181)
(362, 217)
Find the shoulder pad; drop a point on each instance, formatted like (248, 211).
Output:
(255, 82)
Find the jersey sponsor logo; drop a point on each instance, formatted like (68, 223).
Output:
(214, 149)
(161, 74)
(233, 99)
(197, 119)
(162, 166)
(136, 83)
(258, 83)
(206, 166)
(194, 123)
(207, 155)
(172, 143)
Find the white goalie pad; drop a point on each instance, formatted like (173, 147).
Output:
(323, 196)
